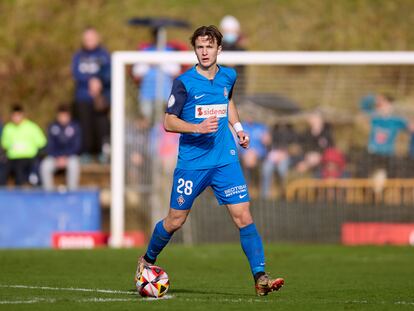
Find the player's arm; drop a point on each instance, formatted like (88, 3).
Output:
(235, 123)
(173, 123)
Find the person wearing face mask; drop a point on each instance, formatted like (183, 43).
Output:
(233, 40)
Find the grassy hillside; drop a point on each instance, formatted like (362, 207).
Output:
(39, 37)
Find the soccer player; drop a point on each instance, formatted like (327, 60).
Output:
(200, 107)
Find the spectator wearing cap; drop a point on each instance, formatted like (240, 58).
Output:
(64, 145)
(22, 139)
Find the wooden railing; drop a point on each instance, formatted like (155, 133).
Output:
(352, 191)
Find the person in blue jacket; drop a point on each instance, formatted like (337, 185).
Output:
(91, 69)
(385, 126)
(63, 147)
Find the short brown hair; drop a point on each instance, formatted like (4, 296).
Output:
(63, 107)
(211, 32)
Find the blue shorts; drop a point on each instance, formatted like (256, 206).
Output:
(227, 182)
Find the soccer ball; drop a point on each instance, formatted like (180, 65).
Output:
(153, 282)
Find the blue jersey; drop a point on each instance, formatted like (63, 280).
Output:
(384, 132)
(193, 99)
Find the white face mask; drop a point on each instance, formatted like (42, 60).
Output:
(230, 38)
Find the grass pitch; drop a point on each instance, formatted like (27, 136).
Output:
(210, 277)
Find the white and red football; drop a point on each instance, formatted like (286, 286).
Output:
(153, 282)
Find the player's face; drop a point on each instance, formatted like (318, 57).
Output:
(206, 50)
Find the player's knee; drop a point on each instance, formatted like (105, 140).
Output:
(174, 222)
(243, 219)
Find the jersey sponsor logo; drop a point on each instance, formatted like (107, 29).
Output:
(205, 111)
(240, 189)
(171, 101)
(199, 96)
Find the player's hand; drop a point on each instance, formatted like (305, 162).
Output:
(243, 139)
(209, 125)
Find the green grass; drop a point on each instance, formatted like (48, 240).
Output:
(212, 277)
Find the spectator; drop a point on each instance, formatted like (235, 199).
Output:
(21, 139)
(92, 73)
(3, 160)
(279, 158)
(259, 141)
(166, 147)
(385, 127)
(138, 152)
(63, 147)
(314, 142)
(233, 40)
(333, 164)
(148, 76)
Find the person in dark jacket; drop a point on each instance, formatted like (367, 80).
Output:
(91, 71)
(63, 147)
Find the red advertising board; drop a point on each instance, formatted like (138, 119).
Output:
(375, 233)
(69, 240)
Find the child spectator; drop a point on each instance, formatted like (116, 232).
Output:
(333, 164)
(64, 145)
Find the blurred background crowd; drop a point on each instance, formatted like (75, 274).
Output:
(57, 125)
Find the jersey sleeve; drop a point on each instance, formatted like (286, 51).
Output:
(177, 99)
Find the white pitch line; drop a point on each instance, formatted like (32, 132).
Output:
(30, 301)
(73, 289)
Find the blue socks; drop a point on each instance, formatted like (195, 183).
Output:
(159, 239)
(252, 246)
(250, 240)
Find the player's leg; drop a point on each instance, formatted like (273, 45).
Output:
(252, 245)
(231, 190)
(187, 185)
(250, 239)
(163, 232)
(161, 235)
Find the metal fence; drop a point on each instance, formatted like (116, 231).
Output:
(302, 205)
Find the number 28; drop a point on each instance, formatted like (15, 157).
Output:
(187, 184)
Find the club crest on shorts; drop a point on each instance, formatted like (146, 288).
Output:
(180, 200)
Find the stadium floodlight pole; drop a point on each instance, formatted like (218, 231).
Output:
(121, 59)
